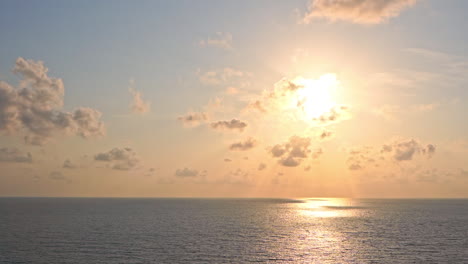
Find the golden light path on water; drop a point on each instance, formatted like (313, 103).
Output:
(327, 207)
(317, 233)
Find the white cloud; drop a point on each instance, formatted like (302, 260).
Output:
(222, 76)
(138, 105)
(222, 40)
(356, 11)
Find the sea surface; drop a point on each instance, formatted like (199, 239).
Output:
(89, 230)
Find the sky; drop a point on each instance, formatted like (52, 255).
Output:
(301, 98)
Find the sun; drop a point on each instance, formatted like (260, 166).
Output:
(315, 97)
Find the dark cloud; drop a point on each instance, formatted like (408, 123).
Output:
(243, 145)
(291, 153)
(119, 158)
(227, 160)
(356, 11)
(234, 124)
(35, 107)
(186, 173)
(14, 155)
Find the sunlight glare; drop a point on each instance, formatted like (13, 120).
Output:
(316, 96)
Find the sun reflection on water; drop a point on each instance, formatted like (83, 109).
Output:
(327, 207)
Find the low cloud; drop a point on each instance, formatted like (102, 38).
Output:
(222, 40)
(34, 108)
(14, 155)
(67, 164)
(222, 76)
(325, 135)
(356, 11)
(335, 115)
(138, 105)
(406, 149)
(119, 158)
(58, 176)
(398, 151)
(243, 145)
(186, 173)
(193, 119)
(291, 153)
(234, 124)
(261, 166)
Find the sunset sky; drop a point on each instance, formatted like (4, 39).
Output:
(301, 98)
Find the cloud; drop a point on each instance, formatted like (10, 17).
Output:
(58, 176)
(186, 173)
(405, 150)
(291, 153)
(67, 164)
(261, 166)
(325, 134)
(119, 158)
(217, 77)
(193, 119)
(222, 40)
(243, 145)
(257, 105)
(138, 105)
(34, 107)
(14, 155)
(234, 124)
(356, 11)
(397, 151)
(227, 160)
(335, 115)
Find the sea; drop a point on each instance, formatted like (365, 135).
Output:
(179, 230)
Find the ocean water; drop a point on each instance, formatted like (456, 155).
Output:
(88, 230)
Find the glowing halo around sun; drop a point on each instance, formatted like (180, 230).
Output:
(315, 97)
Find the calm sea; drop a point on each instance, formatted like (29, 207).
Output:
(88, 230)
